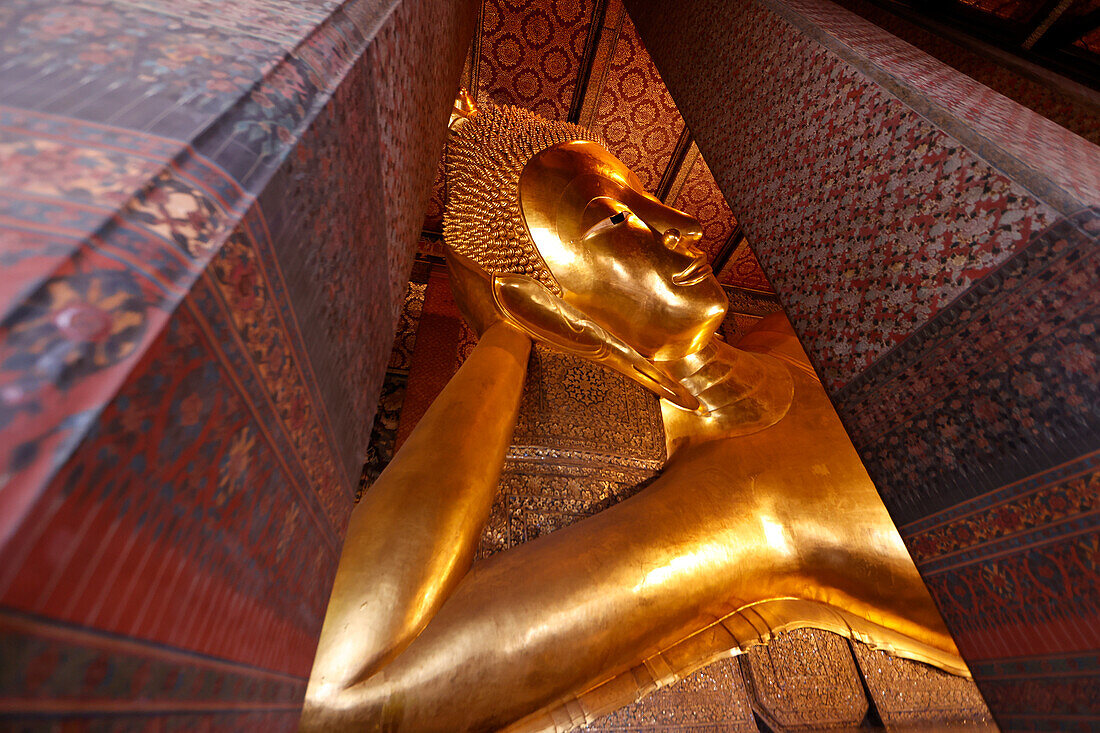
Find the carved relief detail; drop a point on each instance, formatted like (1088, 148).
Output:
(911, 694)
(587, 412)
(805, 680)
(710, 699)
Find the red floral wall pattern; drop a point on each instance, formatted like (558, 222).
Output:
(743, 270)
(530, 53)
(1075, 112)
(636, 115)
(701, 197)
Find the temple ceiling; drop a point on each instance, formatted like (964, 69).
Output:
(582, 61)
(1062, 35)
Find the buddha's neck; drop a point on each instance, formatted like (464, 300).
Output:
(739, 392)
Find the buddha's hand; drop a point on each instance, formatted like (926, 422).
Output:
(473, 291)
(526, 304)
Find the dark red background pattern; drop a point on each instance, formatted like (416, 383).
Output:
(636, 114)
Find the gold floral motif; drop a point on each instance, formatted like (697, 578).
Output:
(586, 439)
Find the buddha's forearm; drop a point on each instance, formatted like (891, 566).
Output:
(736, 524)
(415, 532)
(556, 615)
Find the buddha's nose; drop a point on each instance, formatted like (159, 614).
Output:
(674, 240)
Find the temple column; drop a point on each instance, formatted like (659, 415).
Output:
(935, 246)
(207, 219)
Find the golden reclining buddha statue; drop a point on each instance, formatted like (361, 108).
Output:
(762, 520)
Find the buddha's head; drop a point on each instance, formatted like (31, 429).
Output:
(547, 200)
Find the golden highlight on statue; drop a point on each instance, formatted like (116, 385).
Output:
(763, 519)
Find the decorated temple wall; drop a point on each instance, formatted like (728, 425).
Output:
(934, 244)
(807, 680)
(209, 216)
(586, 439)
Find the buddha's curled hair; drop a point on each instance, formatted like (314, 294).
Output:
(482, 219)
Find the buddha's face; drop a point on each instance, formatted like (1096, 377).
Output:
(620, 255)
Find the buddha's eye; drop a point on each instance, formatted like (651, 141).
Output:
(606, 223)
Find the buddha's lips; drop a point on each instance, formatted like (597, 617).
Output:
(694, 273)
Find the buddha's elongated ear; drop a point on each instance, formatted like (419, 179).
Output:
(529, 306)
(526, 303)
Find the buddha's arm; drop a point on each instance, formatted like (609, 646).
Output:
(415, 532)
(554, 615)
(758, 534)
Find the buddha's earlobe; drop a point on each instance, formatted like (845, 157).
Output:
(526, 303)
